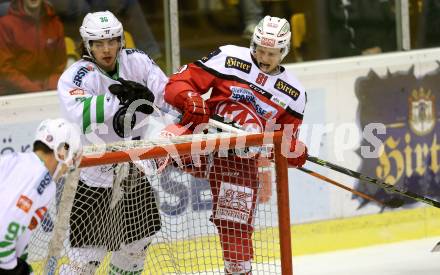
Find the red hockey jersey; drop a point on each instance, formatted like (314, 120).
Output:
(240, 90)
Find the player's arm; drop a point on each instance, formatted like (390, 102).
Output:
(79, 105)
(290, 123)
(184, 91)
(9, 261)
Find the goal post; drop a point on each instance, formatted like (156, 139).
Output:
(166, 201)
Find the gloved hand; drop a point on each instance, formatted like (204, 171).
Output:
(129, 91)
(194, 109)
(299, 149)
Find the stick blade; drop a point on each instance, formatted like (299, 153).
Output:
(436, 248)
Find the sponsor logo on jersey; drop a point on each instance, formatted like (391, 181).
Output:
(278, 101)
(77, 91)
(245, 95)
(210, 55)
(44, 183)
(259, 90)
(287, 89)
(236, 63)
(80, 99)
(33, 224)
(234, 203)
(24, 203)
(268, 42)
(131, 51)
(77, 79)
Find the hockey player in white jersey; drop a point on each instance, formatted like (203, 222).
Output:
(96, 93)
(27, 185)
(251, 88)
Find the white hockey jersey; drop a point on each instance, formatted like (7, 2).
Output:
(86, 101)
(26, 189)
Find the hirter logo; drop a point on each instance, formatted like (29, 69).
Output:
(239, 64)
(24, 203)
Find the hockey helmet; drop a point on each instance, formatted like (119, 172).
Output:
(272, 32)
(56, 134)
(101, 25)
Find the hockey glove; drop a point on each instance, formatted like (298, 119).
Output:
(118, 122)
(299, 150)
(22, 268)
(129, 91)
(194, 109)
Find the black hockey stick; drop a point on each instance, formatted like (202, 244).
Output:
(436, 248)
(393, 203)
(377, 182)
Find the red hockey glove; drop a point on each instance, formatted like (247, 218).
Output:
(194, 109)
(299, 149)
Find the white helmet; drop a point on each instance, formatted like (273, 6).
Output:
(272, 32)
(56, 133)
(100, 25)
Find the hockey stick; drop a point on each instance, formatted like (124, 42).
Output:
(436, 248)
(393, 203)
(50, 263)
(377, 182)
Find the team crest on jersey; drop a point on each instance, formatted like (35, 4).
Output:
(289, 90)
(237, 63)
(243, 115)
(245, 95)
(210, 55)
(77, 79)
(24, 203)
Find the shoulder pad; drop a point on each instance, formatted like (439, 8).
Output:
(80, 73)
(210, 55)
(131, 51)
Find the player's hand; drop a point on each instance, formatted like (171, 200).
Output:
(129, 91)
(194, 109)
(299, 150)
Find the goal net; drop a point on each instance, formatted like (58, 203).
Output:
(180, 205)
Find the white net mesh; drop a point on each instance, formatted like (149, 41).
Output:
(183, 215)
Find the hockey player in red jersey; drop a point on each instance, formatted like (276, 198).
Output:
(251, 88)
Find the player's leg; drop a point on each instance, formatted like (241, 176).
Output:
(130, 258)
(140, 221)
(234, 186)
(89, 226)
(83, 260)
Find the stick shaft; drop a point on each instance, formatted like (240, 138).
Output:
(340, 185)
(377, 182)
